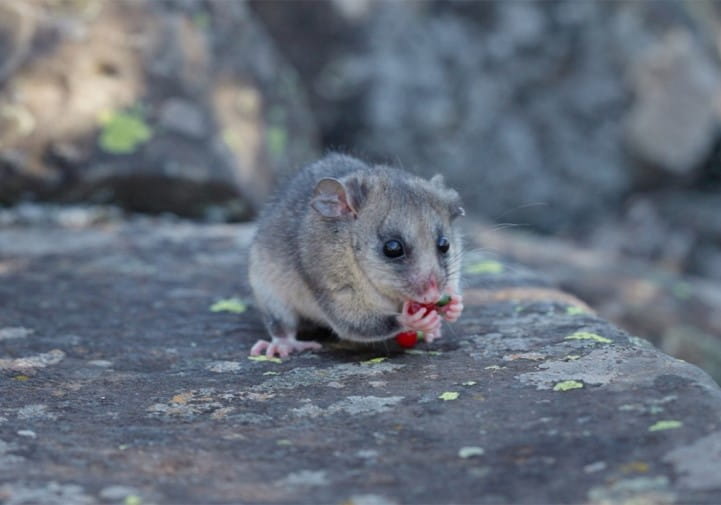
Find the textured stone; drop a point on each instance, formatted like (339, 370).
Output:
(156, 401)
(540, 112)
(158, 106)
(674, 120)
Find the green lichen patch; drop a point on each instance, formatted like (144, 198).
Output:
(234, 305)
(418, 352)
(232, 139)
(277, 138)
(469, 383)
(485, 267)
(470, 452)
(574, 310)
(201, 20)
(449, 395)
(635, 467)
(682, 290)
(567, 385)
(123, 132)
(265, 358)
(587, 335)
(374, 361)
(669, 424)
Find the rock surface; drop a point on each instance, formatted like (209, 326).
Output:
(183, 107)
(572, 105)
(119, 384)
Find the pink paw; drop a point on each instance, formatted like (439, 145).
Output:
(434, 335)
(282, 346)
(427, 322)
(452, 311)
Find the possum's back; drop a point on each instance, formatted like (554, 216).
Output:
(275, 270)
(280, 221)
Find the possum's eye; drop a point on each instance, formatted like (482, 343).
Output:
(443, 245)
(393, 249)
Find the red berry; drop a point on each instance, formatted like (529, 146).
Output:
(408, 339)
(414, 307)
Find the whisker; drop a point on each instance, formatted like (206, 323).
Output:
(520, 207)
(505, 226)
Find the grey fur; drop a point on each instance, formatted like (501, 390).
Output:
(331, 270)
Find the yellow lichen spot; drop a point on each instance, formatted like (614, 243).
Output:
(571, 357)
(221, 413)
(232, 139)
(132, 499)
(485, 267)
(587, 335)
(234, 305)
(123, 132)
(374, 361)
(449, 395)
(574, 310)
(567, 385)
(263, 357)
(270, 373)
(21, 378)
(469, 383)
(635, 467)
(665, 425)
(182, 398)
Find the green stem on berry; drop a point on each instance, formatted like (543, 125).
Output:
(445, 300)
(420, 335)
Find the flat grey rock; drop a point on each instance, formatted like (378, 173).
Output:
(119, 384)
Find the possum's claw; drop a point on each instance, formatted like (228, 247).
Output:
(282, 347)
(427, 322)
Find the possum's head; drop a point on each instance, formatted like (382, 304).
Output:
(399, 229)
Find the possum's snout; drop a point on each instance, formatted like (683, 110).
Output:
(427, 289)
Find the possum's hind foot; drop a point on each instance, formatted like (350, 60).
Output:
(282, 346)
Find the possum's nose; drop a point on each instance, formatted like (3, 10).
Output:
(430, 290)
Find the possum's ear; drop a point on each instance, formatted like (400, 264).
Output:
(457, 210)
(438, 181)
(455, 206)
(333, 198)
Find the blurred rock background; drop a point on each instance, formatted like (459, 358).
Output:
(594, 125)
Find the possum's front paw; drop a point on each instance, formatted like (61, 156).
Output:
(282, 346)
(426, 321)
(452, 310)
